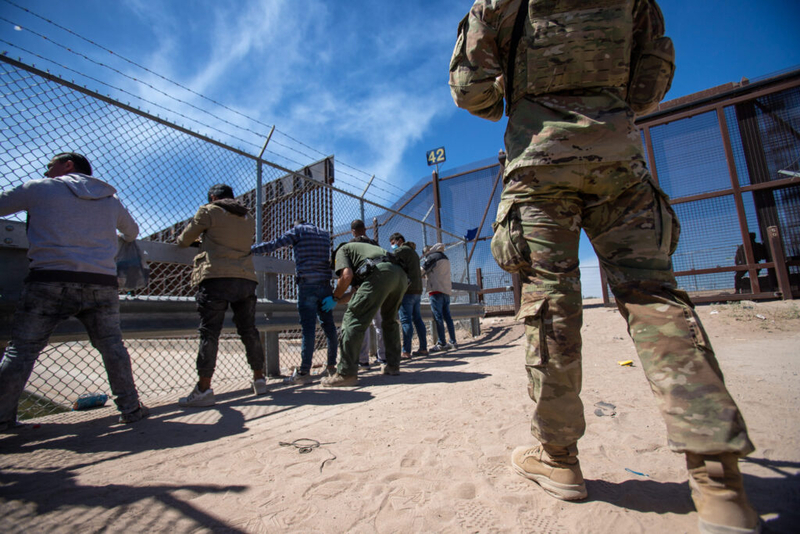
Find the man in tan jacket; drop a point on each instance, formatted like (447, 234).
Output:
(223, 273)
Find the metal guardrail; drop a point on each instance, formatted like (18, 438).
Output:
(147, 317)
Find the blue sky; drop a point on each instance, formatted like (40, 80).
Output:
(365, 81)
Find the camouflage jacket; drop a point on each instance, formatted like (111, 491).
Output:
(586, 125)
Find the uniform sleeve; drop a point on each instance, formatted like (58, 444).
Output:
(126, 224)
(342, 261)
(475, 67)
(199, 224)
(648, 25)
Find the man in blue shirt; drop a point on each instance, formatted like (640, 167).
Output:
(312, 258)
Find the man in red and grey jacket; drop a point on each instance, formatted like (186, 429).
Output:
(436, 270)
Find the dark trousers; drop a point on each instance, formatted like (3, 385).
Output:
(41, 308)
(213, 297)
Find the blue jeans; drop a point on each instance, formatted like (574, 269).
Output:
(42, 306)
(440, 306)
(411, 317)
(213, 297)
(309, 305)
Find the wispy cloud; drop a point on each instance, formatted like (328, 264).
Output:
(355, 83)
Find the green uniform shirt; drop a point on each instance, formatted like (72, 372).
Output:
(354, 254)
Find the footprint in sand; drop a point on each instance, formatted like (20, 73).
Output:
(474, 516)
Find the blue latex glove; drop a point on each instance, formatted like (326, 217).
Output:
(328, 304)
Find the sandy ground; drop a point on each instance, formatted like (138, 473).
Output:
(426, 451)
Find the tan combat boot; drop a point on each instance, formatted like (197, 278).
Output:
(718, 495)
(556, 470)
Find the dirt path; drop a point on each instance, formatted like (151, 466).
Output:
(425, 451)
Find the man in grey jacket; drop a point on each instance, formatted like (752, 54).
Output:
(72, 223)
(436, 270)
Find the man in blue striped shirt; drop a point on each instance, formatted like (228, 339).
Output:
(312, 258)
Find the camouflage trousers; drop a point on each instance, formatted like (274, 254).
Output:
(634, 231)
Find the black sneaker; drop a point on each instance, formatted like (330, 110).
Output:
(364, 365)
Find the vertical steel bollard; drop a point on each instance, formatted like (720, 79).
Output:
(271, 342)
(779, 259)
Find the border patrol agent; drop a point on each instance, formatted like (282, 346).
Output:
(380, 286)
(572, 74)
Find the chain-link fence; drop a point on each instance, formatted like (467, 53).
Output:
(162, 173)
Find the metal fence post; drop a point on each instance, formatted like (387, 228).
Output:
(475, 322)
(361, 199)
(271, 340)
(259, 202)
(479, 282)
(438, 205)
(779, 259)
(260, 189)
(466, 260)
(604, 287)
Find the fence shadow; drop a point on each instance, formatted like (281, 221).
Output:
(51, 490)
(778, 495)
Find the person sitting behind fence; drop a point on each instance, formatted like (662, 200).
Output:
(312, 251)
(759, 254)
(359, 231)
(72, 222)
(224, 275)
(437, 273)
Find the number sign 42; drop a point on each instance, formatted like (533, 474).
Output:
(435, 156)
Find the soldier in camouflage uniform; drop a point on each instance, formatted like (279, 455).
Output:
(572, 75)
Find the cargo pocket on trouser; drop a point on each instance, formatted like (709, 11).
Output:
(536, 353)
(694, 327)
(509, 247)
(666, 220)
(683, 372)
(553, 387)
